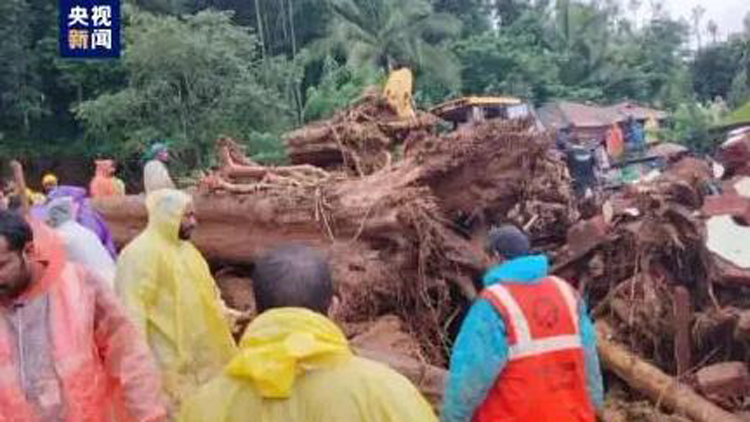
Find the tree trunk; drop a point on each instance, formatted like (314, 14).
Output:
(655, 384)
(259, 28)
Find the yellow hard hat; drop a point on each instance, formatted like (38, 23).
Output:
(49, 179)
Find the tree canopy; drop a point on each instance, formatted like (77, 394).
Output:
(193, 70)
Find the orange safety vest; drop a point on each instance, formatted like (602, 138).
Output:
(544, 379)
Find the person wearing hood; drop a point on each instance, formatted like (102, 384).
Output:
(103, 184)
(166, 285)
(68, 351)
(155, 172)
(85, 214)
(526, 350)
(49, 183)
(295, 364)
(81, 244)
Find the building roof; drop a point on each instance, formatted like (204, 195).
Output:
(560, 114)
(638, 112)
(465, 102)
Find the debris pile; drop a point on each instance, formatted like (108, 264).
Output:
(404, 240)
(665, 272)
(358, 140)
(402, 212)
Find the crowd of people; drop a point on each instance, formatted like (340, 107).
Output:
(90, 335)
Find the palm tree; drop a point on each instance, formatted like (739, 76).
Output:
(697, 15)
(384, 33)
(582, 32)
(713, 29)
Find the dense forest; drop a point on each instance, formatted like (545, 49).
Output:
(194, 69)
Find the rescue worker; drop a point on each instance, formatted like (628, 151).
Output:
(526, 350)
(295, 364)
(68, 352)
(84, 214)
(615, 141)
(35, 198)
(49, 183)
(582, 168)
(166, 285)
(155, 173)
(81, 244)
(103, 184)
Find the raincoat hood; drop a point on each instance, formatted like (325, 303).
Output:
(154, 150)
(167, 286)
(281, 344)
(78, 194)
(60, 211)
(49, 179)
(165, 210)
(525, 270)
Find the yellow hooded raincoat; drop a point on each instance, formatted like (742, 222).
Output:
(166, 285)
(296, 366)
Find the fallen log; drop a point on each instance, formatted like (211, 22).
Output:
(391, 236)
(655, 384)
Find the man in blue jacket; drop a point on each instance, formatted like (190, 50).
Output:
(495, 367)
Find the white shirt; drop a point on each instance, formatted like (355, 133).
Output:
(156, 176)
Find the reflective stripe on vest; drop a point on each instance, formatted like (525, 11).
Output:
(524, 345)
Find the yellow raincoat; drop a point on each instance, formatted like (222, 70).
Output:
(166, 285)
(296, 366)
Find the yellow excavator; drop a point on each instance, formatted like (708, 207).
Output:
(398, 91)
(468, 110)
(461, 111)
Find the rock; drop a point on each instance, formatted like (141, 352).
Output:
(387, 335)
(727, 379)
(587, 235)
(728, 239)
(727, 204)
(742, 329)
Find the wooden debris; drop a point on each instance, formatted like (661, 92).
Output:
(683, 314)
(650, 381)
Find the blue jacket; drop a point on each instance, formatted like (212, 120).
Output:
(481, 349)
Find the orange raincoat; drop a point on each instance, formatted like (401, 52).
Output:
(103, 184)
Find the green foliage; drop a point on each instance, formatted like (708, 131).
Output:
(265, 148)
(189, 80)
(741, 115)
(739, 93)
(20, 96)
(382, 33)
(339, 86)
(252, 69)
(714, 70)
(690, 127)
(508, 64)
(473, 14)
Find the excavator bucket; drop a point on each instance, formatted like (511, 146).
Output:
(398, 91)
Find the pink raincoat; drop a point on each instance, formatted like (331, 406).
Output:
(68, 353)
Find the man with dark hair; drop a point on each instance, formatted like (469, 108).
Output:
(295, 365)
(526, 351)
(167, 286)
(310, 283)
(54, 314)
